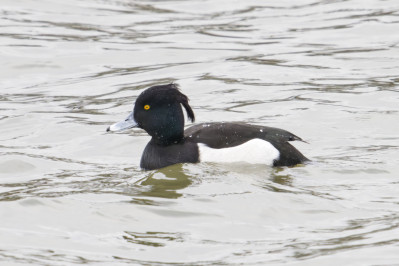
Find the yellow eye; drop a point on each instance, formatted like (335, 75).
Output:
(146, 107)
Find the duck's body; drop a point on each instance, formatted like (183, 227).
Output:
(158, 111)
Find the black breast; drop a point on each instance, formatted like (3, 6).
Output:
(157, 156)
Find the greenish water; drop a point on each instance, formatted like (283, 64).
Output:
(325, 70)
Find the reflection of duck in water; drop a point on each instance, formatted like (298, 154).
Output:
(164, 183)
(158, 111)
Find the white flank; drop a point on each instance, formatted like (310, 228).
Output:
(255, 151)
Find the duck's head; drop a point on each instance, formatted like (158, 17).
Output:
(158, 110)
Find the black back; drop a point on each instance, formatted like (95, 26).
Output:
(225, 135)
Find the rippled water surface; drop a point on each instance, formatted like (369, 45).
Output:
(72, 194)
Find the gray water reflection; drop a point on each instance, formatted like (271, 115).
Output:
(72, 194)
(165, 183)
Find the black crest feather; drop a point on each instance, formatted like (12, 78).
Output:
(183, 99)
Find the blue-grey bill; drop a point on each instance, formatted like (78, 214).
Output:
(129, 122)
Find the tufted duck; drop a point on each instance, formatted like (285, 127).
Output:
(158, 110)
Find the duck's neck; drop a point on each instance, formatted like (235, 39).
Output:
(167, 138)
(170, 132)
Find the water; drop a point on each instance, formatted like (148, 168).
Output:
(72, 194)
